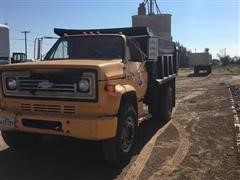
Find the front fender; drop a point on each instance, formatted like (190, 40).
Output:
(112, 100)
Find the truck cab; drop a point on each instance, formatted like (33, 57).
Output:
(18, 57)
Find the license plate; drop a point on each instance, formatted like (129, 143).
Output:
(7, 123)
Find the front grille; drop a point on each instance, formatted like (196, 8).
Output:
(52, 84)
(27, 84)
(62, 109)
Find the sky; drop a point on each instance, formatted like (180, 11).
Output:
(197, 24)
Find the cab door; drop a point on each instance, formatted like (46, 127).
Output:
(135, 68)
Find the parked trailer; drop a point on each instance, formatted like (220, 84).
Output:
(4, 45)
(201, 62)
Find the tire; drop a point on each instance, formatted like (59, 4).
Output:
(209, 70)
(20, 140)
(196, 70)
(161, 108)
(118, 151)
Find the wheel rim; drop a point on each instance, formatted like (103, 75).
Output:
(127, 135)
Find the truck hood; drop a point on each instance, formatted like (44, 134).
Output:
(107, 69)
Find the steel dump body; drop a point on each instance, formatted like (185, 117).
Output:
(200, 59)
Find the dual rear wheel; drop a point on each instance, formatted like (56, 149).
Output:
(161, 104)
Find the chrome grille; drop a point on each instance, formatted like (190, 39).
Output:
(48, 108)
(25, 84)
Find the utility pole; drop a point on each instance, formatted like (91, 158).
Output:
(25, 35)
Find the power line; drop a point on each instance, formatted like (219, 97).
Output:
(20, 39)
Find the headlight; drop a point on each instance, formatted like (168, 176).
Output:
(83, 86)
(11, 83)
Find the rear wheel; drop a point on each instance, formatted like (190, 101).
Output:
(20, 140)
(162, 104)
(118, 151)
(196, 70)
(209, 69)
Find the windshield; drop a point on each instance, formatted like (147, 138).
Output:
(87, 47)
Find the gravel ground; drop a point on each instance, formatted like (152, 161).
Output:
(235, 90)
(204, 112)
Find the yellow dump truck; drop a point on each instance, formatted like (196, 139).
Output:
(93, 85)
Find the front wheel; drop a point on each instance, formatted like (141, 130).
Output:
(20, 140)
(118, 151)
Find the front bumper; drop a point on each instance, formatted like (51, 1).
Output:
(88, 128)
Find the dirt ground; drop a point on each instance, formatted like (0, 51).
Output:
(198, 143)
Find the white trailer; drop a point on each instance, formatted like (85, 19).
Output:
(201, 61)
(4, 45)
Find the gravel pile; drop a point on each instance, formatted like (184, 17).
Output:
(235, 90)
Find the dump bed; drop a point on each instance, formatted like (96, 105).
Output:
(141, 34)
(196, 59)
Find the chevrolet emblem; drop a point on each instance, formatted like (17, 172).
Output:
(45, 84)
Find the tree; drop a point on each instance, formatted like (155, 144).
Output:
(182, 55)
(215, 62)
(225, 60)
(236, 59)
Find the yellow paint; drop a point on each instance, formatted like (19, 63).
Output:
(74, 126)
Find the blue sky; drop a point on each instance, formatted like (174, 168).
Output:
(195, 23)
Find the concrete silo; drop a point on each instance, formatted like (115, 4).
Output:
(159, 23)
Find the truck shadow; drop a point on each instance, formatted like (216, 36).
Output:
(65, 158)
(198, 75)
